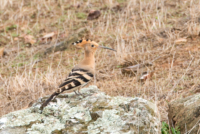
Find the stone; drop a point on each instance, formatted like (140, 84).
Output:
(185, 114)
(93, 113)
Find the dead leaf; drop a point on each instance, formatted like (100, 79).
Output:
(49, 35)
(16, 38)
(146, 75)
(29, 39)
(93, 15)
(160, 40)
(24, 28)
(138, 66)
(180, 41)
(65, 34)
(2, 52)
(136, 69)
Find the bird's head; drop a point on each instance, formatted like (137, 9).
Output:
(89, 46)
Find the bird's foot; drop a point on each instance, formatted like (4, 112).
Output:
(79, 94)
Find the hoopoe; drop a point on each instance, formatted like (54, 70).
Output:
(82, 73)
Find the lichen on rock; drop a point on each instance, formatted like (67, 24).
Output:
(110, 122)
(20, 118)
(49, 125)
(94, 113)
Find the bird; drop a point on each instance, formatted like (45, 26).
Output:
(82, 73)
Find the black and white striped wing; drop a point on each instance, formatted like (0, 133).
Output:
(77, 78)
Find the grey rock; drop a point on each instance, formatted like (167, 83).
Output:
(14, 130)
(185, 114)
(94, 113)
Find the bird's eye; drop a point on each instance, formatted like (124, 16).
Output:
(92, 45)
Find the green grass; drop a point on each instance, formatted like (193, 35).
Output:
(121, 1)
(12, 27)
(165, 129)
(17, 64)
(36, 56)
(63, 18)
(14, 35)
(81, 15)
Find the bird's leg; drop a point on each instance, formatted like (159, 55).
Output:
(76, 93)
(80, 88)
(80, 93)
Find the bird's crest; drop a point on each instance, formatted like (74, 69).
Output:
(82, 42)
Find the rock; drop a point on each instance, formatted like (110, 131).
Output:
(93, 113)
(94, 14)
(14, 130)
(185, 114)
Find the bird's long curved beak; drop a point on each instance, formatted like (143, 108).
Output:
(106, 48)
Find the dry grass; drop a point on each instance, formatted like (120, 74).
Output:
(140, 30)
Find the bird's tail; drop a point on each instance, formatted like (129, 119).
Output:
(59, 91)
